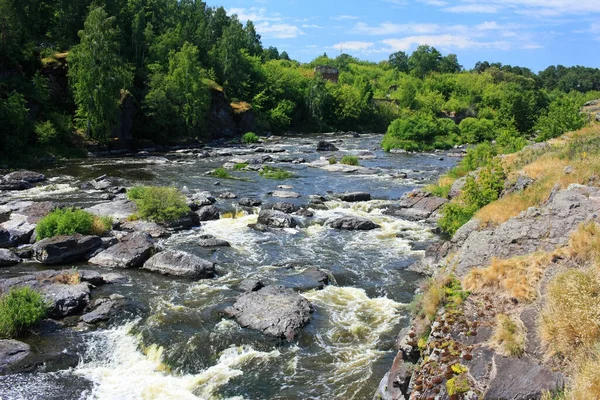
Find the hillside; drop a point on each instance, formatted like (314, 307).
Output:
(510, 309)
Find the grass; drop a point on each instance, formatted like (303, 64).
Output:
(221, 173)
(584, 244)
(240, 166)
(332, 160)
(72, 277)
(516, 277)
(20, 309)
(240, 107)
(585, 383)
(275, 173)
(349, 160)
(69, 221)
(250, 137)
(442, 187)
(509, 335)
(159, 204)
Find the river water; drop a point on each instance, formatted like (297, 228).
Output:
(181, 347)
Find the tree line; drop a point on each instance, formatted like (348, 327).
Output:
(168, 56)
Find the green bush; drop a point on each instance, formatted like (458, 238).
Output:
(46, 133)
(563, 116)
(159, 204)
(221, 173)
(332, 160)
(65, 221)
(349, 160)
(20, 309)
(275, 173)
(420, 128)
(476, 157)
(250, 137)
(240, 166)
(454, 216)
(475, 130)
(391, 142)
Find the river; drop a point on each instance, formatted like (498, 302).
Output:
(181, 347)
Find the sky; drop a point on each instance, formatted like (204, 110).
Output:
(527, 33)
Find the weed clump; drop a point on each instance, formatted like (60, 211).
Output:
(69, 221)
(221, 173)
(275, 173)
(250, 137)
(349, 160)
(509, 335)
(159, 204)
(20, 309)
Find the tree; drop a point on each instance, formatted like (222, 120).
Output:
(449, 64)
(423, 60)
(399, 61)
(98, 74)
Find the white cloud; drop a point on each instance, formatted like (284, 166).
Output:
(445, 41)
(353, 46)
(538, 8)
(278, 31)
(439, 3)
(313, 26)
(388, 28)
(473, 8)
(253, 14)
(345, 17)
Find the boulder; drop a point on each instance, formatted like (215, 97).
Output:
(181, 264)
(118, 210)
(416, 206)
(228, 195)
(522, 183)
(19, 231)
(352, 224)
(208, 213)
(276, 219)
(65, 248)
(133, 250)
(37, 210)
(457, 187)
(66, 299)
(308, 279)
(151, 228)
(14, 185)
(247, 202)
(251, 285)
(12, 352)
(285, 207)
(211, 241)
(24, 175)
(274, 310)
(326, 146)
(353, 197)
(8, 258)
(103, 309)
(284, 194)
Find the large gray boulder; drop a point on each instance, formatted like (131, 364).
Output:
(285, 207)
(208, 213)
(326, 146)
(24, 175)
(16, 231)
(276, 219)
(352, 223)
(65, 248)
(118, 210)
(8, 258)
(66, 299)
(133, 250)
(12, 352)
(274, 310)
(181, 264)
(151, 228)
(353, 197)
(211, 241)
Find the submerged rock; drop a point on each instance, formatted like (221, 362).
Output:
(326, 146)
(274, 310)
(131, 252)
(181, 264)
(352, 224)
(211, 241)
(284, 194)
(276, 219)
(65, 248)
(8, 258)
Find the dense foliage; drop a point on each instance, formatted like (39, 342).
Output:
(67, 221)
(162, 64)
(159, 204)
(20, 309)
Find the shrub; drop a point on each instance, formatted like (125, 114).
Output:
(221, 173)
(250, 137)
(476, 157)
(391, 142)
(475, 130)
(275, 173)
(509, 335)
(349, 160)
(240, 166)
(410, 131)
(454, 216)
(65, 222)
(20, 309)
(159, 204)
(332, 160)
(46, 132)
(585, 383)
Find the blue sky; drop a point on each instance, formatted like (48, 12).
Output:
(528, 33)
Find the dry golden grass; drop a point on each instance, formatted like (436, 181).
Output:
(240, 107)
(516, 277)
(509, 335)
(434, 293)
(584, 244)
(585, 383)
(100, 226)
(68, 277)
(570, 318)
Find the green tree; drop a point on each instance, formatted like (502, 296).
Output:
(98, 74)
(399, 61)
(424, 60)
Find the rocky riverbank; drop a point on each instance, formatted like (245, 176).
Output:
(492, 285)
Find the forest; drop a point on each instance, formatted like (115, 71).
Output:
(69, 69)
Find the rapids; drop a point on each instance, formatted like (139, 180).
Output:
(182, 347)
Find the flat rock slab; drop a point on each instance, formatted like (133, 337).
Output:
(284, 194)
(118, 210)
(181, 264)
(151, 228)
(131, 252)
(274, 310)
(8, 258)
(12, 352)
(352, 224)
(65, 248)
(285, 207)
(276, 219)
(24, 175)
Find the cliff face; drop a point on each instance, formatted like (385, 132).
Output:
(489, 323)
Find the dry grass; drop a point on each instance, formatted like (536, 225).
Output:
(516, 277)
(434, 294)
(570, 318)
(101, 225)
(240, 107)
(584, 244)
(509, 335)
(585, 383)
(71, 277)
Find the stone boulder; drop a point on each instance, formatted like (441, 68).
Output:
(353, 197)
(104, 309)
(211, 241)
(66, 299)
(24, 175)
(8, 258)
(276, 219)
(352, 223)
(274, 310)
(326, 146)
(118, 210)
(285, 194)
(133, 250)
(416, 206)
(65, 248)
(208, 213)
(151, 228)
(16, 231)
(12, 353)
(247, 202)
(181, 264)
(285, 207)
(308, 279)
